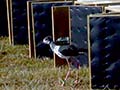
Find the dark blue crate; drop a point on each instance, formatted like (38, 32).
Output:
(78, 15)
(104, 42)
(43, 25)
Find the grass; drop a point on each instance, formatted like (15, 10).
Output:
(19, 72)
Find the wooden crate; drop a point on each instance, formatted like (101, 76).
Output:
(112, 9)
(17, 20)
(32, 30)
(102, 3)
(30, 20)
(108, 32)
(98, 3)
(78, 26)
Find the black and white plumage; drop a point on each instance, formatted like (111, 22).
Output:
(63, 49)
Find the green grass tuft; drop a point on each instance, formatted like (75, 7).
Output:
(19, 72)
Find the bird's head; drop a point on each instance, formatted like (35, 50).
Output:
(47, 40)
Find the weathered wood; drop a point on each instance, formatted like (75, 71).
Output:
(30, 30)
(9, 18)
(99, 3)
(113, 9)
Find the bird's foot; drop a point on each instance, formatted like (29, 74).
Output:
(76, 82)
(62, 82)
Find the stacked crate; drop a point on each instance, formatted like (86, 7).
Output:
(104, 49)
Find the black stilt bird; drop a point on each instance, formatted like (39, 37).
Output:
(63, 49)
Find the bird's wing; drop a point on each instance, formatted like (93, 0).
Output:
(75, 47)
(68, 50)
(72, 50)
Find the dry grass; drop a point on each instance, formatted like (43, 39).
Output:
(18, 72)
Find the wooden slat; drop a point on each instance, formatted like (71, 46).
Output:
(9, 19)
(101, 2)
(61, 28)
(30, 29)
(113, 9)
(10, 13)
(89, 50)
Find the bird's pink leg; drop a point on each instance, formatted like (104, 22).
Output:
(77, 65)
(68, 73)
(66, 77)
